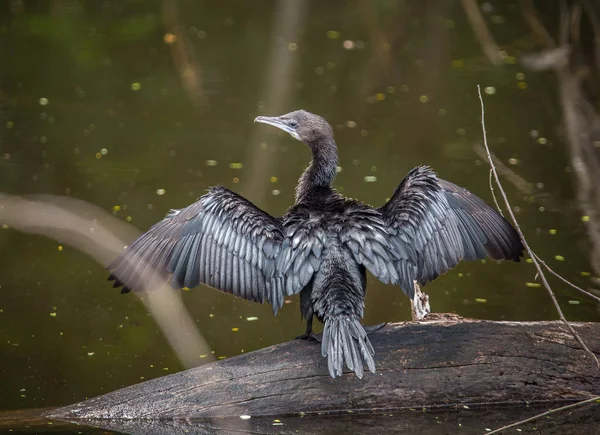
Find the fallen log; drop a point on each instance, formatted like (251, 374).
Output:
(451, 362)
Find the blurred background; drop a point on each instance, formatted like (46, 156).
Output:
(114, 111)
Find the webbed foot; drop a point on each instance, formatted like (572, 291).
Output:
(308, 336)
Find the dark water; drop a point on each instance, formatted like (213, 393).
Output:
(99, 102)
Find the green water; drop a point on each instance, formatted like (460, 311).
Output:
(97, 103)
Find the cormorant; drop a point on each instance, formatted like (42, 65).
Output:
(322, 247)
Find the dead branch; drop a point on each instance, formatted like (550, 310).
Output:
(529, 251)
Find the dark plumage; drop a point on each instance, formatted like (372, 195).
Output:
(323, 245)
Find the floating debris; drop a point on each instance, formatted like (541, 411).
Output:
(559, 258)
(44, 101)
(136, 86)
(552, 231)
(251, 319)
(333, 34)
(481, 300)
(211, 163)
(370, 179)
(235, 329)
(236, 165)
(160, 192)
(533, 284)
(585, 274)
(572, 302)
(490, 90)
(585, 218)
(60, 248)
(53, 314)
(245, 417)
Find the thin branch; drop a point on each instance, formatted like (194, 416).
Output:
(529, 251)
(494, 194)
(544, 414)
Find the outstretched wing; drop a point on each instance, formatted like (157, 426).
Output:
(434, 224)
(222, 240)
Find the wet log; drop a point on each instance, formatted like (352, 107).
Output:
(450, 363)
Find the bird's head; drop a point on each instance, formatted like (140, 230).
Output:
(301, 125)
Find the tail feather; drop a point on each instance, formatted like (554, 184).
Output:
(345, 340)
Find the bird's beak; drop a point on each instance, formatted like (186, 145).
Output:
(275, 121)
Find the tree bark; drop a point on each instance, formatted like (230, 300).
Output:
(449, 363)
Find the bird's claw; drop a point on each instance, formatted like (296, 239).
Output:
(308, 336)
(371, 329)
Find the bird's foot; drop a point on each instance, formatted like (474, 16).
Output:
(371, 329)
(309, 336)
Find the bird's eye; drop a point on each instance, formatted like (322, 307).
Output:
(293, 124)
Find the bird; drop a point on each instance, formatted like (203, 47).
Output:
(322, 246)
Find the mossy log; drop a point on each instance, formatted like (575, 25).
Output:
(449, 362)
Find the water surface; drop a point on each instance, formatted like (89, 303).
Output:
(99, 103)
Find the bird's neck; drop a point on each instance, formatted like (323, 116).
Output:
(317, 178)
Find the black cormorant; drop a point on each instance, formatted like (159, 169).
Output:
(322, 247)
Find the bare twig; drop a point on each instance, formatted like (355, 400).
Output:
(494, 194)
(544, 414)
(529, 251)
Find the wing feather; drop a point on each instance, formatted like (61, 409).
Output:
(222, 240)
(434, 224)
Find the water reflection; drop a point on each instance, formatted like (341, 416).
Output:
(100, 102)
